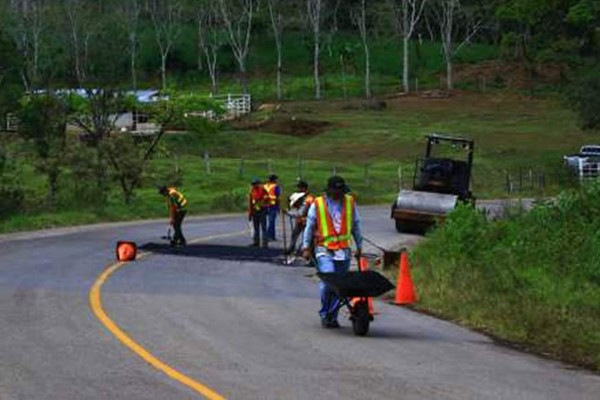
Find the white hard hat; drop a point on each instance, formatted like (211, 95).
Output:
(296, 197)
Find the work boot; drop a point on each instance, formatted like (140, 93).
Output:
(265, 245)
(255, 244)
(329, 324)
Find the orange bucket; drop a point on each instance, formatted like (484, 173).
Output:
(126, 251)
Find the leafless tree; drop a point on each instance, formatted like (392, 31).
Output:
(81, 24)
(447, 15)
(26, 27)
(166, 18)
(278, 24)
(131, 11)
(359, 17)
(210, 39)
(445, 11)
(237, 16)
(408, 13)
(315, 17)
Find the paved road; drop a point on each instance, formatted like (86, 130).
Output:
(234, 321)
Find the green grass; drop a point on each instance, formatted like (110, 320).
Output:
(511, 133)
(532, 279)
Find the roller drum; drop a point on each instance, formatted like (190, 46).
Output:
(426, 202)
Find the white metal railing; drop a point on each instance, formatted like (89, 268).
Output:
(236, 105)
(12, 123)
(588, 169)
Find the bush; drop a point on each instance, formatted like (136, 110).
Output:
(583, 97)
(533, 277)
(11, 190)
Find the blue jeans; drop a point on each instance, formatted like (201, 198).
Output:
(272, 216)
(329, 301)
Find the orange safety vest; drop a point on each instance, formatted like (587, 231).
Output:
(176, 201)
(308, 201)
(326, 234)
(258, 199)
(270, 188)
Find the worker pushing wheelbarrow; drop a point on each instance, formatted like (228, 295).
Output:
(353, 290)
(332, 222)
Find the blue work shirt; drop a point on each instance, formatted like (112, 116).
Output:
(335, 212)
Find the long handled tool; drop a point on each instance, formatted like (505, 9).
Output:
(283, 224)
(168, 235)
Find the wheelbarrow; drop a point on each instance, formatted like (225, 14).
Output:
(354, 289)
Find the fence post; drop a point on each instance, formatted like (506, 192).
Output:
(299, 167)
(242, 168)
(334, 171)
(269, 166)
(520, 179)
(399, 177)
(207, 163)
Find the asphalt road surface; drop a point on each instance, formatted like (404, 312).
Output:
(221, 319)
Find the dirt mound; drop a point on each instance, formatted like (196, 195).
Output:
(286, 126)
(516, 75)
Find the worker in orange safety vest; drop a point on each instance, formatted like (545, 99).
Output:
(274, 193)
(258, 204)
(332, 222)
(177, 204)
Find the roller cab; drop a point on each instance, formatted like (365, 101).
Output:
(442, 179)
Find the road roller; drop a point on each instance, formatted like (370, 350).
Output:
(442, 179)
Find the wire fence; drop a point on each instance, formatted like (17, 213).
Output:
(373, 182)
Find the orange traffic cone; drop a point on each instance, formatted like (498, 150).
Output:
(405, 290)
(364, 266)
(126, 251)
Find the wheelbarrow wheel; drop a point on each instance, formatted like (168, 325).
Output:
(361, 318)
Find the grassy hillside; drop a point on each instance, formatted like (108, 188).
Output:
(368, 147)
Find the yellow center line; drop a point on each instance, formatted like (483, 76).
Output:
(96, 306)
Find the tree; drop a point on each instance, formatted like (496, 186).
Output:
(166, 18)
(210, 39)
(131, 10)
(583, 97)
(237, 16)
(315, 17)
(43, 120)
(408, 13)
(80, 18)
(445, 11)
(278, 24)
(359, 18)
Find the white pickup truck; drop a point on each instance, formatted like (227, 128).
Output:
(587, 153)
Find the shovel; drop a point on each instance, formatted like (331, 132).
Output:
(168, 235)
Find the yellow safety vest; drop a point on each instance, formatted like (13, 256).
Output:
(326, 234)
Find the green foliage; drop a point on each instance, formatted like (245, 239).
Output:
(533, 277)
(43, 120)
(11, 190)
(583, 97)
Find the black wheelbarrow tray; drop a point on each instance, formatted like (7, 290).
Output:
(354, 288)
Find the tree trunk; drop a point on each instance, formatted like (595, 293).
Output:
(163, 70)
(279, 67)
(367, 72)
(449, 84)
(132, 40)
(317, 51)
(405, 81)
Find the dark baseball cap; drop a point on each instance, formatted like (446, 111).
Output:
(337, 183)
(273, 177)
(255, 181)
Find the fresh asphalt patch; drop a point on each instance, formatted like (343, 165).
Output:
(220, 252)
